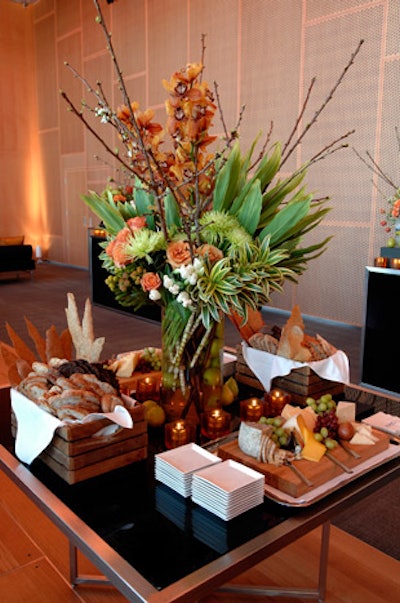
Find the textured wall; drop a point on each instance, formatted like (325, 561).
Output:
(262, 53)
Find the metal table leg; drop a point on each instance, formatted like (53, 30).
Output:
(318, 594)
(74, 576)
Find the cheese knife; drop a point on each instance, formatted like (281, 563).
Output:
(298, 473)
(338, 463)
(349, 451)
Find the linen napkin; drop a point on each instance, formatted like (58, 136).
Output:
(384, 422)
(267, 366)
(36, 427)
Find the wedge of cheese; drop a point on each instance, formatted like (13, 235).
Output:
(312, 450)
(346, 412)
(125, 364)
(363, 435)
(307, 413)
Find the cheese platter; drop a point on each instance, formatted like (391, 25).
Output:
(283, 479)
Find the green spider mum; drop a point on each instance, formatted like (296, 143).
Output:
(145, 242)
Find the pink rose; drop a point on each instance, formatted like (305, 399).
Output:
(178, 254)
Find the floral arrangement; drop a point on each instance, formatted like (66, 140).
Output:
(206, 230)
(391, 214)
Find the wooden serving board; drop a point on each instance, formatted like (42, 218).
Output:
(283, 478)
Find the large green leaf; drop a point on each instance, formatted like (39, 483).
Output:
(276, 195)
(109, 215)
(269, 167)
(285, 221)
(228, 181)
(172, 215)
(249, 213)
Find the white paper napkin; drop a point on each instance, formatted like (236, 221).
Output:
(385, 422)
(36, 427)
(267, 366)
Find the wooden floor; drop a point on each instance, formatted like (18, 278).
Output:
(34, 564)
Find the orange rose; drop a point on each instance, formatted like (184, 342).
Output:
(178, 254)
(150, 280)
(136, 223)
(213, 253)
(116, 248)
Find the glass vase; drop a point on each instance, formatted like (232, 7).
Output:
(192, 358)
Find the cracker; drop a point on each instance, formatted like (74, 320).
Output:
(54, 348)
(66, 342)
(38, 340)
(19, 345)
(86, 347)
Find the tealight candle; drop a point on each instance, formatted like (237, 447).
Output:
(215, 423)
(177, 433)
(251, 410)
(276, 400)
(380, 262)
(147, 388)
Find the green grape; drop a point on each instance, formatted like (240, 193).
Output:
(330, 444)
(283, 440)
(318, 437)
(324, 432)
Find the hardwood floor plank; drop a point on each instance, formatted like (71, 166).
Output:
(36, 582)
(16, 548)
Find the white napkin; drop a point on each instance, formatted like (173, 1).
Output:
(384, 422)
(267, 366)
(36, 427)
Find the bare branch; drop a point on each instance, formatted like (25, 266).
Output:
(324, 104)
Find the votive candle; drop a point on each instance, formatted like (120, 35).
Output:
(147, 388)
(276, 399)
(177, 433)
(251, 410)
(215, 423)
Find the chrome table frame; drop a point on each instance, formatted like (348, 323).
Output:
(214, 575)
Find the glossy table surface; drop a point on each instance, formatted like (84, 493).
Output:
(154, 545)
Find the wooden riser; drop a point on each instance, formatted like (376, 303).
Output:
(76, 453)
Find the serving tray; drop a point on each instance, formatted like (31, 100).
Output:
(284, 479)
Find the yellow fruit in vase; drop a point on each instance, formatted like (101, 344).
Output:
(233, 386)
(216, 347)
(212, 376)
(227, 396)
(391, 242)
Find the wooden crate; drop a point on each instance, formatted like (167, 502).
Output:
(76, 453)
(300, 383)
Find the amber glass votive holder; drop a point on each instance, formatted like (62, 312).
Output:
(177, 433)
(395, 263)
(380, 262)
(215, 423)
(251, 410)
(275, 400)
(147, 388)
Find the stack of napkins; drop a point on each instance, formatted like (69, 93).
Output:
(384, 422)
(175, 467)
(228, 489)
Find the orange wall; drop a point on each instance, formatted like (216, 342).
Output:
(262, 53)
